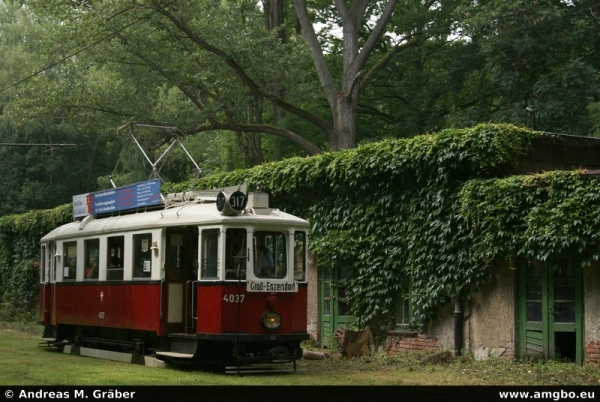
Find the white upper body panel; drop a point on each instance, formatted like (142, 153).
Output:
(186, 215)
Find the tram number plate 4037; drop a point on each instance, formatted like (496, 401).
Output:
(233, 298)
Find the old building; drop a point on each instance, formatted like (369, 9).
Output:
(545, 309)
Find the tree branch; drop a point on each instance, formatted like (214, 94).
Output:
(241, 73)
(358, 10)
(97, 109)
(260, 128)
(317, 52)
(383, 62)
(365, 52)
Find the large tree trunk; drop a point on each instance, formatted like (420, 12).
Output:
(344, 122)
(275, 19)
(343, 101)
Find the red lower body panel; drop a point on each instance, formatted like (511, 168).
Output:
(129, 306)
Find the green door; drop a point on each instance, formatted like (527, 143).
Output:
(551, 310)
(334, 311)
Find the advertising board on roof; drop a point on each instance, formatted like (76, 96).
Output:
(137, 195)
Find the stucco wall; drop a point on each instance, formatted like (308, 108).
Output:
(442, 328)
(489, 319)
(591, 305)
(313, 298)
(591, 309)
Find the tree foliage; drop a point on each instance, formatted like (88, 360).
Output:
(539, 61)
(240, 78)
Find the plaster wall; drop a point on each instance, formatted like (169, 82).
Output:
(591, 312)
(488, 319)
(591, 309)
(312, 318)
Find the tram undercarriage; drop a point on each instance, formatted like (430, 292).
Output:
(214, 352)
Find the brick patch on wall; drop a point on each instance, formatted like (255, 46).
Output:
(592, 352)
(409, 341)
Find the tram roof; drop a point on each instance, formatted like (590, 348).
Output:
(185, 215)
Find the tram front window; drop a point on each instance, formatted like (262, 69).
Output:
(210, 250)
(299, 253)
(270, 255)
(236, 253)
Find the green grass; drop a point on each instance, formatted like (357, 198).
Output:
(24, 362)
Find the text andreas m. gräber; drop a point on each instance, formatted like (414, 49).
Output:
(74, 394)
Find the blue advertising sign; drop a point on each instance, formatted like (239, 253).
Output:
(136, 195)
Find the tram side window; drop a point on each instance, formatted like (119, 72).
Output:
(91, 257)
(210, 249)
(43, 265)
(236, 254)
(299, 256)
(142, 257)
(270, 255)
(115, 258)
(70, 260)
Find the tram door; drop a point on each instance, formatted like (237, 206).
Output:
(551, 310)
(334, 310)
(181, 255)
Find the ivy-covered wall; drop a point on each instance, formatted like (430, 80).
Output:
(20, 253)
(437, 209)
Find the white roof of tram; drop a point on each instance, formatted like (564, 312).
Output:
(185, 215)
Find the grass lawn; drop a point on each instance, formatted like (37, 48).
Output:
(24, 362)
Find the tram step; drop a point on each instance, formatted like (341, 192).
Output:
(175, 355)
(260, 369)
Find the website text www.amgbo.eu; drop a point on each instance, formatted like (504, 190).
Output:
(552, 395)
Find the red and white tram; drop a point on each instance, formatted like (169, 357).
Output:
(221, 282)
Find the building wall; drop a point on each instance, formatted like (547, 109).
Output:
(488, 323)
(490, 327)
(313, 298)
(591, 310)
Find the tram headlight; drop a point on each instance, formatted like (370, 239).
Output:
(271, 320)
